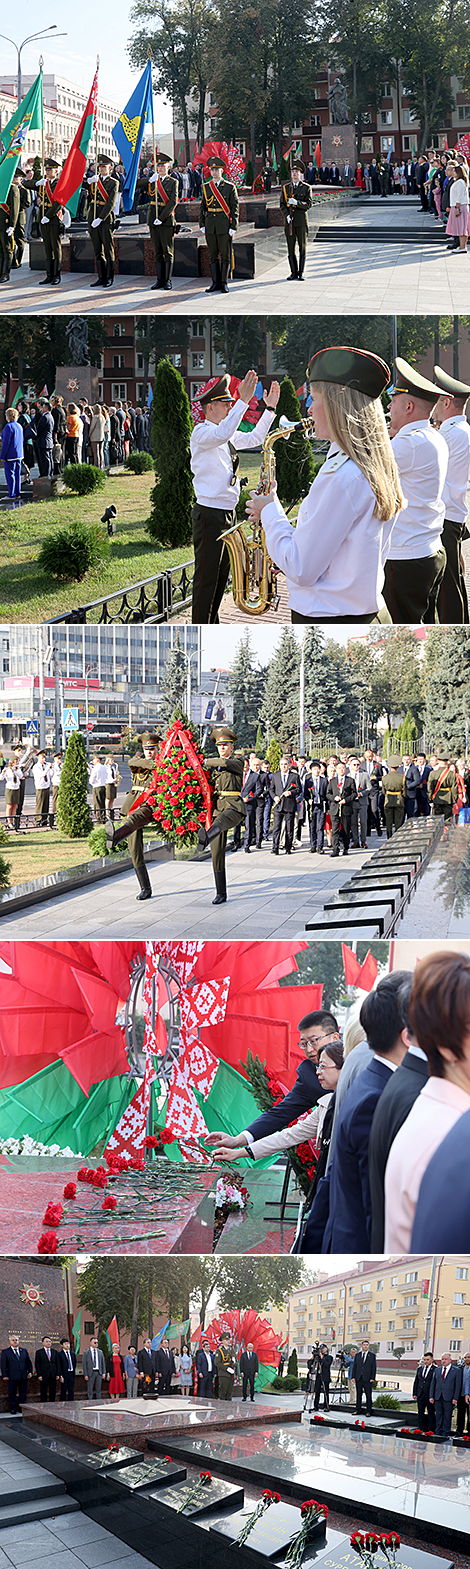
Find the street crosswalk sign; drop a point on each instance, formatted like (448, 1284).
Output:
(70, 718)
(32, 727)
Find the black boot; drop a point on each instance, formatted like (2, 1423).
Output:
(6, 275)
(214, 288)
(110, 277)
(51, 819)
(159, 280)
(43, 281)
(167, 271)
(98, 281)
(56, 275)
(223, 278)
(144, 880)
(221, 886)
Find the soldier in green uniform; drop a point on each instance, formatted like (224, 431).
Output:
(51, 222)
(9, 211)
(141, 766)
(442, 786)
(163, 193)
(229, 809)
(101, 227)
(218, 219)
(20, 225)
(296, 198)
(225, 1364)
(394, 788)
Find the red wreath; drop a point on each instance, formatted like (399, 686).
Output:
(181, 793)
(234, 167)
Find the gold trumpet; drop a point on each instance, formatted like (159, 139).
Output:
(254, 573)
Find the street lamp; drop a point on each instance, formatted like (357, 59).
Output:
(30, 40)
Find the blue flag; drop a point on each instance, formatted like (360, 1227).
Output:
(129, 131)
(157, 1339)
(150, 398)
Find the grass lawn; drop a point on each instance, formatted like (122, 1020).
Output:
(45, 850)
(28, 594)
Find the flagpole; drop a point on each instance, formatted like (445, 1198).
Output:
(41, 67)
(150, 55)
(96, 143)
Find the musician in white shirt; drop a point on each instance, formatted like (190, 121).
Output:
(98, 775)
(112, 780)
(42, 783)
(415, 558)
(451, 414)
(56, 771)
(333, 559)
(12, 775)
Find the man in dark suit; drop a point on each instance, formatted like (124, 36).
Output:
(67, 1367)
(442, 1215)
(340, 1217)
(364, 1369)
(205, 1365)
(422, 1391)
(286, 792)
(316, 1029)
(413, 781)
(445, 1389)
(390, 1113)
(253, 794)
(146, 1368)
(46, 1364)
(45, 439)
(340, 794)
(249, 1367)
(375, 772)
(164, 1366)
(424, 770)
(322, 1379)
(17, 1367)
(463, 1404)
(315, 798)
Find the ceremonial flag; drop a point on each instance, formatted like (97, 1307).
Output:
(27, 117)
(157, 1339)
(76, 1331)
(317, 155)
(19, 394)
(289, 151)
(150, 397)
(70, 179)
(274, 159)
(113, 1332)
(368, 974)
(352, 968)
(179, 154)
(298, 150)
(128, 132)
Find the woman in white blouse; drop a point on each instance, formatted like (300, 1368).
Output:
(308, 1128)
(457, 223)
(333, 559)
(439, 1018)
(12, 776)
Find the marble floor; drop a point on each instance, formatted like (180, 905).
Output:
(441, 904)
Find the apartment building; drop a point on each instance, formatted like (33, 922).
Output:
(411, 1302)
(64, 103)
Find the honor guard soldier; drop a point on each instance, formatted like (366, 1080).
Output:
(20, 225)
(215, 443)
(142, 767)
(415, 557)
(450, 410)
(229, 809)
(296, 198)
(163, 192)
(101, 227)
(226, 1366)
(218, 219)
(51, 221)
(9, 214)
(442, 786)
(394, 786)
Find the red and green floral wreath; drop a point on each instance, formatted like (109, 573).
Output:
(181, 792)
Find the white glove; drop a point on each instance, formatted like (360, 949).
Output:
(39, 184)
(157, 223)
(66, 218)
(10, 231)
(292, 201)
(44, 220)
(96, 222)
(202, 230)
(153, 178)
(231, 233)
(90, 178)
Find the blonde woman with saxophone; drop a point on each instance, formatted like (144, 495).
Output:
(333, 560)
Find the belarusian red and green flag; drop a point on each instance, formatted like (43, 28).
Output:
(28, 117)
(69, 184)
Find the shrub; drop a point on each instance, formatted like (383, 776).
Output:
(387, 1403)
(241, 503)
(72, 552)
(73, 812)
(287, 1384)
(139, 462)
(83, 478)
(172, 495)
(292, 1365)
(5, 869)
(97, 842)
(249, 173)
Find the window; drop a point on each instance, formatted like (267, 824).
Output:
(464, 111)
(455, 1345)
(310, 1316)
(380, 1285)
(392, 1302)
(320, 1296)
(409, 1278)
(351, 1291)
(409, 1345)
(365, 1288)
(390, 1344)
(386, 90)
(89, 1327)
(197, 361)
(457, 1323)
(391, 1323)
(461, 1274)
(119, 390)
(394, 1280)
(459, 1296)
(378, 1327)
(367, 144)
(140, 362)
(118, 329)
(386, 117)
(409, 1323)
(330, 1296)
(363, 1328)
(410, 1301)
(119, 362)
(176, 360)
(341, 1293)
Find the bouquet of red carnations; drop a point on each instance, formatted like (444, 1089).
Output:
(181, 793)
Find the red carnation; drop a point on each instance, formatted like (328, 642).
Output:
(48, 1242)
(82, 1175)
(267, 1492)
(70, 1190)
(167, 1137)
(152, 1142)
(205, 1476)
(109, 1202)
(99, 1179)
(53, 1215)
(168, 1458)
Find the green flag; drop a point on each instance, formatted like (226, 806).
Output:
(298, 150)
(18, 395)
(76, 1331)
(28, 117)
(273, 158)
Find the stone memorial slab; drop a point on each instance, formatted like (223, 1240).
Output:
(216, 1495)
(156, 1474)
(372, 1424)
(103, 1459)
(344, 1557)
(273, 1533)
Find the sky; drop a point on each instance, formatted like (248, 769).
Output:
(90, 30)
(220, 643)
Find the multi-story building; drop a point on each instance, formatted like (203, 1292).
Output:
(411, 1302)
(64, 103)
(123, 366)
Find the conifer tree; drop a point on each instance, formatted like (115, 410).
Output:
(447, 686)
(260, 743)
(280, 706)
(73, 811)
(174, 683)
(295, 463)
(247, 685)
(172, 496)
(274, 754)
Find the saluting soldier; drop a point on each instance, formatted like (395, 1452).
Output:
(296, 198)
(20, 225)
(229, 808)
(163, 193)
(51, 221)
(141, 767)
(9, 214)
(225, 1362)
(101, 227)
(218, 219)
(442, 786)
(394, 786)
(451, 411)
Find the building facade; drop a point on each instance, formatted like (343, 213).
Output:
(409, 1302)
(64, 103)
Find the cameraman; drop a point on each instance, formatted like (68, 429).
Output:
(347, 1363)
(320, 1365)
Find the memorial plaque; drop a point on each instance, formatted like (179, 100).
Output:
(344, 1557)
(155, 1474)
(103, 1459)
(273, 1533)
(215, 1495)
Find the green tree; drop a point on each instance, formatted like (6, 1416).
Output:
(280, 706)
(295, 463)
(172, 497)
(274, 754)
(156, 338)
(356, 38)
(398, 1352)
(322, 964)
(292, 1365)
(73, 812)
(429, 61)
(447, 688)
(177, 35)
(396, 682)
(260, 743)
(246, 685)
(238, 54)
(239, 341)
(409, 735)
(174, 684)
(270, 1283)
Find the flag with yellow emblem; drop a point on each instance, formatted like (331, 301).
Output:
(128, 133)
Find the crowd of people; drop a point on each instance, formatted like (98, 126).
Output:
(47, 433)
(45, 769)
(441, 1386)
(152, 1370)
(397, 1098)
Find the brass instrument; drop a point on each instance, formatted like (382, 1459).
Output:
(253, 571)
(26, 760)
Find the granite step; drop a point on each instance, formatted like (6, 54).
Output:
(55, 1501)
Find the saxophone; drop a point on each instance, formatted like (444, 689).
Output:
(254, 573)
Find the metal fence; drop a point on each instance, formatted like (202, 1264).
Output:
(154, 599)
